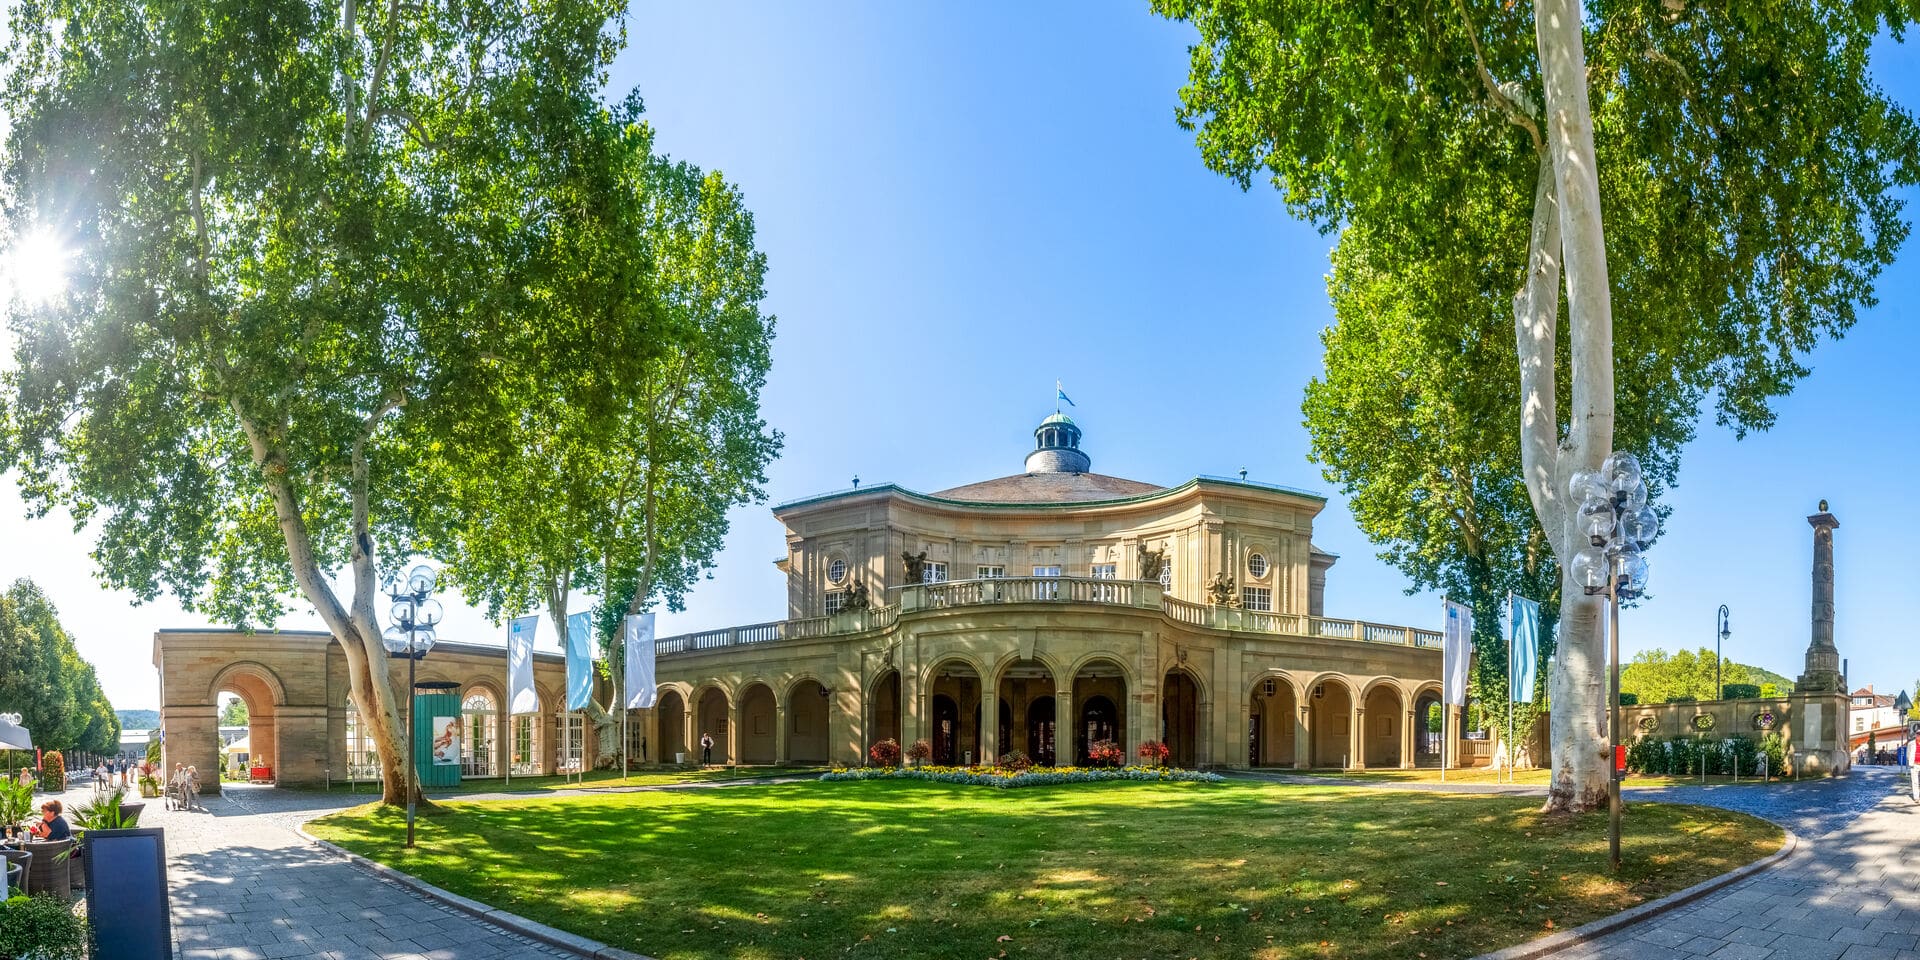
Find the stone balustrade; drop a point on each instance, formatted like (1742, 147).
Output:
(1141, 594)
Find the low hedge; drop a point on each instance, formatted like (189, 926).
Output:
(1687, 754)
(1032, 777)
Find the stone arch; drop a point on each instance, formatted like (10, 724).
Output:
(261, 689)
(670, 721)
(1385, 706)
(1182, 691)
(713, 717)
(1329, 699)
(757, 735)
(881, 707)
(1273, 720)
(1028, 713)
(1096, 706)
(1426, 730)
(808, 709)
(997, 670)
(1127, 672)
(954, 686)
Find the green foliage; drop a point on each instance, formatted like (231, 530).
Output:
(1686, 754)
(154, 748)
(1657, 676)
(138, 719)
(53, 771)
(234, 714)
(1727, 265)
(1683, 698)
(43, 678)
(1627, 699)
(41, 927)
(16, 799)
(1740, 691)
(1773, 690)
(101, 812)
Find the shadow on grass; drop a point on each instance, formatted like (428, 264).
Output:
(920, 869)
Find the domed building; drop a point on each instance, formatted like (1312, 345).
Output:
(1047, 611)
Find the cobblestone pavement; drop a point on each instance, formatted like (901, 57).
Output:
(1849, 891)
(246, 887)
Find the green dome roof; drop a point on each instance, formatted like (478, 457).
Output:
(1057, 418)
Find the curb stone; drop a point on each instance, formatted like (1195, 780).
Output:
(1546, 946)
(511, 922)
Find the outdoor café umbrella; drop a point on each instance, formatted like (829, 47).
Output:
(13, 736)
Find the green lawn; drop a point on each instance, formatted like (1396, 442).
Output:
(593, 779)
(914, 869)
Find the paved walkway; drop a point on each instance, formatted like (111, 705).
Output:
(1850, 891)
(246, 887)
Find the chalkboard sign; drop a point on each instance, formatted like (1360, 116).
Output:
(127, 911)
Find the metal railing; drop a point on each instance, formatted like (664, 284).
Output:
(1145, 594)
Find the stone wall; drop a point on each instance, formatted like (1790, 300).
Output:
(1812, 726)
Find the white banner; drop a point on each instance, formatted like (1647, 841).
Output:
(1456, 653)
(521, 697)
(637, 634)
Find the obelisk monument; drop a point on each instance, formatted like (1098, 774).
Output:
(1823, 659)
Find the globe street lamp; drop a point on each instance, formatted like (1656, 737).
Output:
(1618, 525)
(415, 613)
(1725, 631)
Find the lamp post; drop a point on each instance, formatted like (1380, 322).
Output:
(1725, 630)
(1618, 524)
(415, 614)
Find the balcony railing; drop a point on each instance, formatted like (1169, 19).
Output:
(1142, 594)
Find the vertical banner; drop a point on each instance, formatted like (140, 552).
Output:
(1523, 644)
(1456, 652)
(579, 660)
(637, 635)
(521, 697)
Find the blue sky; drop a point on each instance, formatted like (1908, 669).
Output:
(960, 205)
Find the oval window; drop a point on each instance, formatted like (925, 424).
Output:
(837, 570)
(1257, 566)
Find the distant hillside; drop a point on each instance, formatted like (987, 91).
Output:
(1763, 675)
(138, 719)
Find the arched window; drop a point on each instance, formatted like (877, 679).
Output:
(363, 761)
(526, 745)
(480, 715)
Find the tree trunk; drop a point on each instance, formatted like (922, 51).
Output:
(1580, 760)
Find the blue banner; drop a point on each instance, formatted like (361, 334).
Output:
(579, 660)
(1523, 647)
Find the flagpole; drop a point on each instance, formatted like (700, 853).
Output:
(620, 698)
(509, 711)
(1512, 760)
(1445, 706)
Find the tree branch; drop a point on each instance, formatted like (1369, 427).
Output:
(1511, 100)
(380, 67)
(1536, 319)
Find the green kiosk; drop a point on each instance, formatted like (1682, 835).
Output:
(436, 738)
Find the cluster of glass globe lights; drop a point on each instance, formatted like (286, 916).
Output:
(1618, 524)
(415, 614)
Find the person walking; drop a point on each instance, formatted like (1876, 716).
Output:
(706, 748)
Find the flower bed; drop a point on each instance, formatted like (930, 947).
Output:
(1031, 777)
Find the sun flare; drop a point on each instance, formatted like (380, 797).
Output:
(35, 268)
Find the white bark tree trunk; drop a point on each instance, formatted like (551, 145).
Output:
(1580, 760)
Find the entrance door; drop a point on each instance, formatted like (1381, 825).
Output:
(1098, 721)
(1040, 729)
(946, 729)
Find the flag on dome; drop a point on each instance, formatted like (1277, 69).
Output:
(1061, 393)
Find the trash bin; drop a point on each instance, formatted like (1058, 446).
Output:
(679, 757)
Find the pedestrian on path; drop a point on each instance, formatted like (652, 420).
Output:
(706, 748)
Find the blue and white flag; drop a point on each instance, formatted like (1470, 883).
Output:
(579, 660)
(636, 632)
(1523, 647)
(1456, 654)
(1061, 392)
(521, 697)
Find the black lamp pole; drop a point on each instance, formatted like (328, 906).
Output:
(1723, 630)
(415, 613)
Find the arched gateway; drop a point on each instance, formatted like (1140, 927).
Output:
(302, 726)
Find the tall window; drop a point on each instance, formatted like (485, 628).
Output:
(1257, 598)
(526, 745)
(476, 748)
(573, 743)
(934, 572)
(1102, 592)
(363, 761)
(1046, 591)
(984, 572)
(836, 601)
